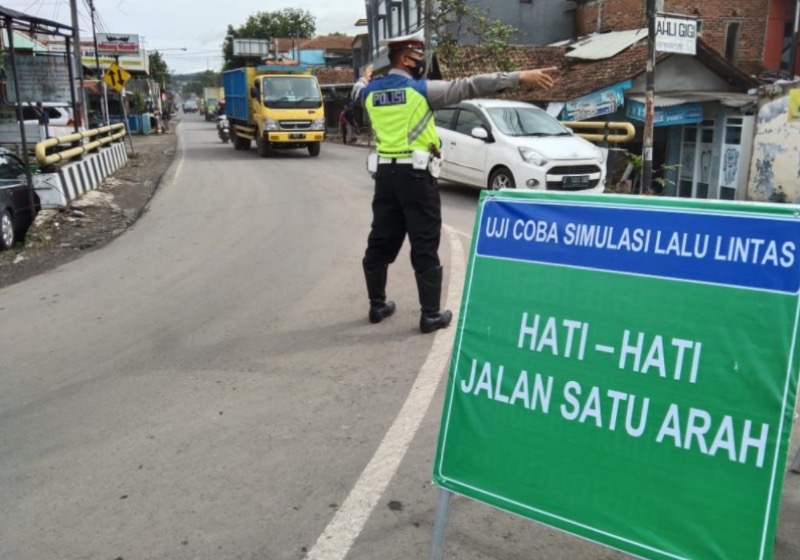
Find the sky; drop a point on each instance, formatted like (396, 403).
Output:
(199, 26)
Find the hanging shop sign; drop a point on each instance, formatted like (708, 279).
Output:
(686, 113)
(676, 35)
(117, 44)
(596, 104)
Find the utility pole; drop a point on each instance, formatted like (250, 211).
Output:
(104, 89)
(793, 52)
(76, 48)
(427, 34)
(647, 145)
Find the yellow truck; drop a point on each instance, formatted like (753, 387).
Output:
(278, 106)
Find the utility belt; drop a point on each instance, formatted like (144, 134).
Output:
(419, 160)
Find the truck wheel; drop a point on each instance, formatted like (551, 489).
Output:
(313, 149)
(262, 145)
(235, 140)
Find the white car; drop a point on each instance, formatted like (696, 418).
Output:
(59, 115)
(496, 144)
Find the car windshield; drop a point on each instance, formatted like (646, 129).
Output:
(11, 169)
(292, 92)
(526, 121)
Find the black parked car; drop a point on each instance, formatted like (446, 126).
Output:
(16, 214)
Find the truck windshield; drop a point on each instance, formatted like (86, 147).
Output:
(291, 92)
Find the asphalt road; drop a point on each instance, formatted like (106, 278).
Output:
(207, 386)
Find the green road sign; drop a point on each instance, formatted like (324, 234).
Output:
(625, 369)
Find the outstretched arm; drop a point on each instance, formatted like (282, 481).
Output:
(362, 82)
(445, 93)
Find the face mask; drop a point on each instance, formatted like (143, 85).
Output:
(418, 71)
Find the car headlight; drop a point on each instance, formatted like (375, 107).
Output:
(271, 124)
(532, 156)
(318, 124)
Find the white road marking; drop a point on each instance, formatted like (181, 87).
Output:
(462, 234)
(336, 540)
(182, 150)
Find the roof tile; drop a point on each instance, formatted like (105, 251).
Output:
(577, 77)
(330, 76)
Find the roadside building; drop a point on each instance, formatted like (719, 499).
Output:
(755, 35)
(537, 23)
(336, 85)
(324, 51)
(775, 168)
(704, 114)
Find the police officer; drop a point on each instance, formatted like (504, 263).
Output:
(406, 201)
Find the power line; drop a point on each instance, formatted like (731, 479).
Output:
(94, 12)
(58, 9)
(190, 53)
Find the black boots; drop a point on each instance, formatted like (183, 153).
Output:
(379, 308)
(429, 285)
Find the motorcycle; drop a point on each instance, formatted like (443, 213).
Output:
(223, 129)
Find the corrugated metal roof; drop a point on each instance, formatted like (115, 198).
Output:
(23, 42)
(727, 98)
(661, 101)
(605, 45)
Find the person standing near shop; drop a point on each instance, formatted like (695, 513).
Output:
(400, 106)
(43, 117)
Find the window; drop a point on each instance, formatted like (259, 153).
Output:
(786, 51)
(467, 120)
(31, 114)
(732, 40)
(699, 27)
(11, 167)
(733, 131)
(397, 17)
(444, 117)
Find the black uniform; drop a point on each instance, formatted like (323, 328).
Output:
(407, 202)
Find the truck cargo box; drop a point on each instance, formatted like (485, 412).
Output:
(237, 96)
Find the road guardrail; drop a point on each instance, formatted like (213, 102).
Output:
(628, 131)
(104, 134)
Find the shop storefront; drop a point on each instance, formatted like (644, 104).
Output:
(707, 146)
(702, 140)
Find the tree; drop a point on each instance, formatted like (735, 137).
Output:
(449, 20)
(209, 78)
(159, 71)
(288, 22)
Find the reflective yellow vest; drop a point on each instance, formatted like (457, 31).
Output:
(400, 115)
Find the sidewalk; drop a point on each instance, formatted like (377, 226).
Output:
(97, 217)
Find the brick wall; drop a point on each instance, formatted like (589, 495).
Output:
(752, 16)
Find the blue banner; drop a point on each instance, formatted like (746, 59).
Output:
(687, 113)
(601, 102)
(744, 251)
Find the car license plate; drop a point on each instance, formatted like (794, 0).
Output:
(574, 181)
(297, 136)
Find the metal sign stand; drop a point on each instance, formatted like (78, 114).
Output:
(124, 111)
(440, 523)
